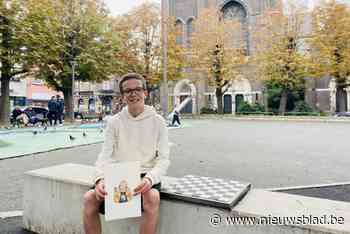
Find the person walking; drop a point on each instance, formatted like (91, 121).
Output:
(52, 115)
(176, 117)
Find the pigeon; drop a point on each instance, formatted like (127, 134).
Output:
(35, 132)
(84, 134)
(71, 138)
(101, 130)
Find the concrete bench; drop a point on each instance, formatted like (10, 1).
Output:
(53, 202)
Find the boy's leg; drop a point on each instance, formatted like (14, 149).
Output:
(91, 218)
(151, 201)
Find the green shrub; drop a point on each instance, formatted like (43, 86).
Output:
(302, 114)
(255, 113)
(245, 107)
(324, 114)
(207, 110)
(302, 106)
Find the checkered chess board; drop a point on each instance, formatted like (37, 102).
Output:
(207, 190)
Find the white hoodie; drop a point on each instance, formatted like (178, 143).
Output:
(143, 138)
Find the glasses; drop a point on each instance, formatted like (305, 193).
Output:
(137, 90)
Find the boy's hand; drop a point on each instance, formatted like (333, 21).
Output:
(100, 190)
(143, 187)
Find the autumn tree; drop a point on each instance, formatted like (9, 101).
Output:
(280, 56)
(176, 53)
(217, 50)
(141, 45)
(330, 46)
(12, 51)
(145, 32)
(62, 33)
(128, 54)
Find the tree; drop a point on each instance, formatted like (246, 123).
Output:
(176, 53)
(128, 47)
(280, 57)
(12, 51)
(67, 32)
(217, 50)
(330, 46)
(141, 46)
(145, 36)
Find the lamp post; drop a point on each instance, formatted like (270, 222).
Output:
(164, 93)
(73, 64)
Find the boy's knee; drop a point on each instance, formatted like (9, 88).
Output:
(151, 201)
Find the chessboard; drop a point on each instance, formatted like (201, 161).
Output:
(207, 190)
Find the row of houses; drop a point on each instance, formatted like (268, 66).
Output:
(88, 97)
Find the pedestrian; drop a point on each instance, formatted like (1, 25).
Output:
(60, 108)
(137, 133)
(52, 106)
(176, 117)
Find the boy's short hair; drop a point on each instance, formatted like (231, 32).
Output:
(130, 76)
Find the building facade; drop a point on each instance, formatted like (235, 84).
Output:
(89, 97)
(320, 94)
(97, 97)
(38, 93)
(194, 87)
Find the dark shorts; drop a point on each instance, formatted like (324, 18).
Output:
(155, 186)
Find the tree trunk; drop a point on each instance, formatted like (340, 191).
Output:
(283, 102)
(5, 72)
(5, 101)
(68, 105)
(148, 100)
(341, 100)
(219, 95)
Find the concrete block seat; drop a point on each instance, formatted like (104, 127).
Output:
(53, 203)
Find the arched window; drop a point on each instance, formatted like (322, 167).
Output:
(179, 32)
(190, 29)
(235, 11)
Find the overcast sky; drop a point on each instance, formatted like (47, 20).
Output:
(118, 7)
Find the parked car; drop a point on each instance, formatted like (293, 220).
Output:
(342, 114)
